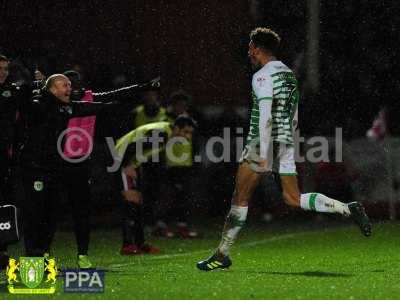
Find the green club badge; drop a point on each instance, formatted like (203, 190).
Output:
(6, 94)
(31, 271)
(38, 186)
(27, 275)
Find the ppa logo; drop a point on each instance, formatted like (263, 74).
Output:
(84, 281)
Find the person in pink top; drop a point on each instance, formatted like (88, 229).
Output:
(78, 174)
(73, 161)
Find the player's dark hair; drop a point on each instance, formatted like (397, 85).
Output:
(4, 58)
(182, 121)
(266, 39)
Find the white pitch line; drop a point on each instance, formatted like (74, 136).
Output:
(250, 244)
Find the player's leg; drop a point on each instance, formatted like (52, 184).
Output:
(315, 201)
(166, 209)
(133, 216)
(3, 191)
(180, 198)
(3, 247)
(129, 220)
(310, 201)
(138, 232)
(35, 190)
(79, 196)
(246, 182)
(50, 217)
(128, 214)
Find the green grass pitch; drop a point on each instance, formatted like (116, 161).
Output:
(268, 263)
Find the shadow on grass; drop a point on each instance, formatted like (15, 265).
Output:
(377, 271)
(139, 272)
(308, 274)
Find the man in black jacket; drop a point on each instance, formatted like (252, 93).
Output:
(12, 97)
(41, 160)
(47, 117)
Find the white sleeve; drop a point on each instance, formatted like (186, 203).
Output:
(263, 90)
(265, 127)
(295, 122)
(262, 86)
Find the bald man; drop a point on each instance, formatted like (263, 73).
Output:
(60, 86)
(43, 161)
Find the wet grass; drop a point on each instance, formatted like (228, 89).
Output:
(269, 262)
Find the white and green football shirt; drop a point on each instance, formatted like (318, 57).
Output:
(274, 82)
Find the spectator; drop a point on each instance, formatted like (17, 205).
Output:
(177, 183)
(132, 223)
(43, 165)
(152, 172)
(183, 127)
(151, 110)
(78, 173)
(12, 97)
(178, 105)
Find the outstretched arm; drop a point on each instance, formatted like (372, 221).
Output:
(125, 93)
(85, 108)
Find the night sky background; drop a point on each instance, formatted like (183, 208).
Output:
(201, 46)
